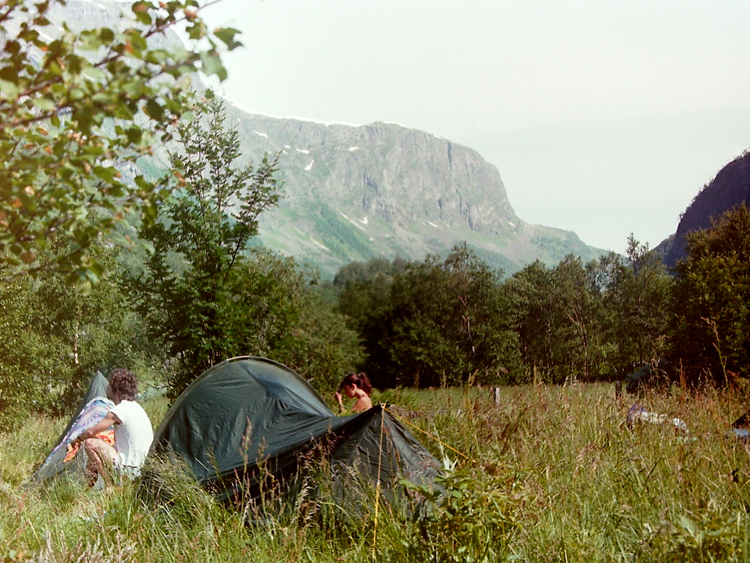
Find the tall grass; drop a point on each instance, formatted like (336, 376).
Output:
(548, 474)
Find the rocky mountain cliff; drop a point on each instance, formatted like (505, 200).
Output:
(730, 188)
(358, 192)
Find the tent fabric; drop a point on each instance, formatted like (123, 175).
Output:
(97, 390)
(382, 449)
(250, 411)
(93, 407)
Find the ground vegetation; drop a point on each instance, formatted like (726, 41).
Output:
(545, 473)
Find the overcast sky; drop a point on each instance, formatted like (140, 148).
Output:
(603, 117)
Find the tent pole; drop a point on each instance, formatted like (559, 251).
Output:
(377, 484)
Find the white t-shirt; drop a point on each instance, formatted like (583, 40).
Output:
(133, 437)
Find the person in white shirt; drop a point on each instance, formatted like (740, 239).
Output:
(133, 431)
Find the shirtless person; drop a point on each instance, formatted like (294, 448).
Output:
(133, 432)
(355, 385)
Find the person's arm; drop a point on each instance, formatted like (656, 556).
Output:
(109, 420)
(339, 400)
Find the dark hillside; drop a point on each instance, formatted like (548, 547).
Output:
(727, 190)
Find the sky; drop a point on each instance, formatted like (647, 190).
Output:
(603, 117)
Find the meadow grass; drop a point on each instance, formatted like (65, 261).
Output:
(548, 473)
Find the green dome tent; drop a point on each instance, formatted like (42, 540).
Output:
(249, 411)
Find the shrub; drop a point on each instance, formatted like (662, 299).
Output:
(470, 518)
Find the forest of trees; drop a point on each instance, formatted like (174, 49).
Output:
(456, 321)
(159, 275)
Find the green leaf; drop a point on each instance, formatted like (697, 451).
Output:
(44, 104)
(106, 35)
(211, 65)
(12, 47)
(154, 110)
(142, 183)
(10, 90)
(135, 134)
(227, 36)
(141, 10)
(197, 30)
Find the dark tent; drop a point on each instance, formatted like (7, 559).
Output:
(250, 411)
(91, 409)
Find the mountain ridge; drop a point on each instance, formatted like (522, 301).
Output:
(385, 189)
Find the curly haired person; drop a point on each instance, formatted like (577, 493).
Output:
(133, 431)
